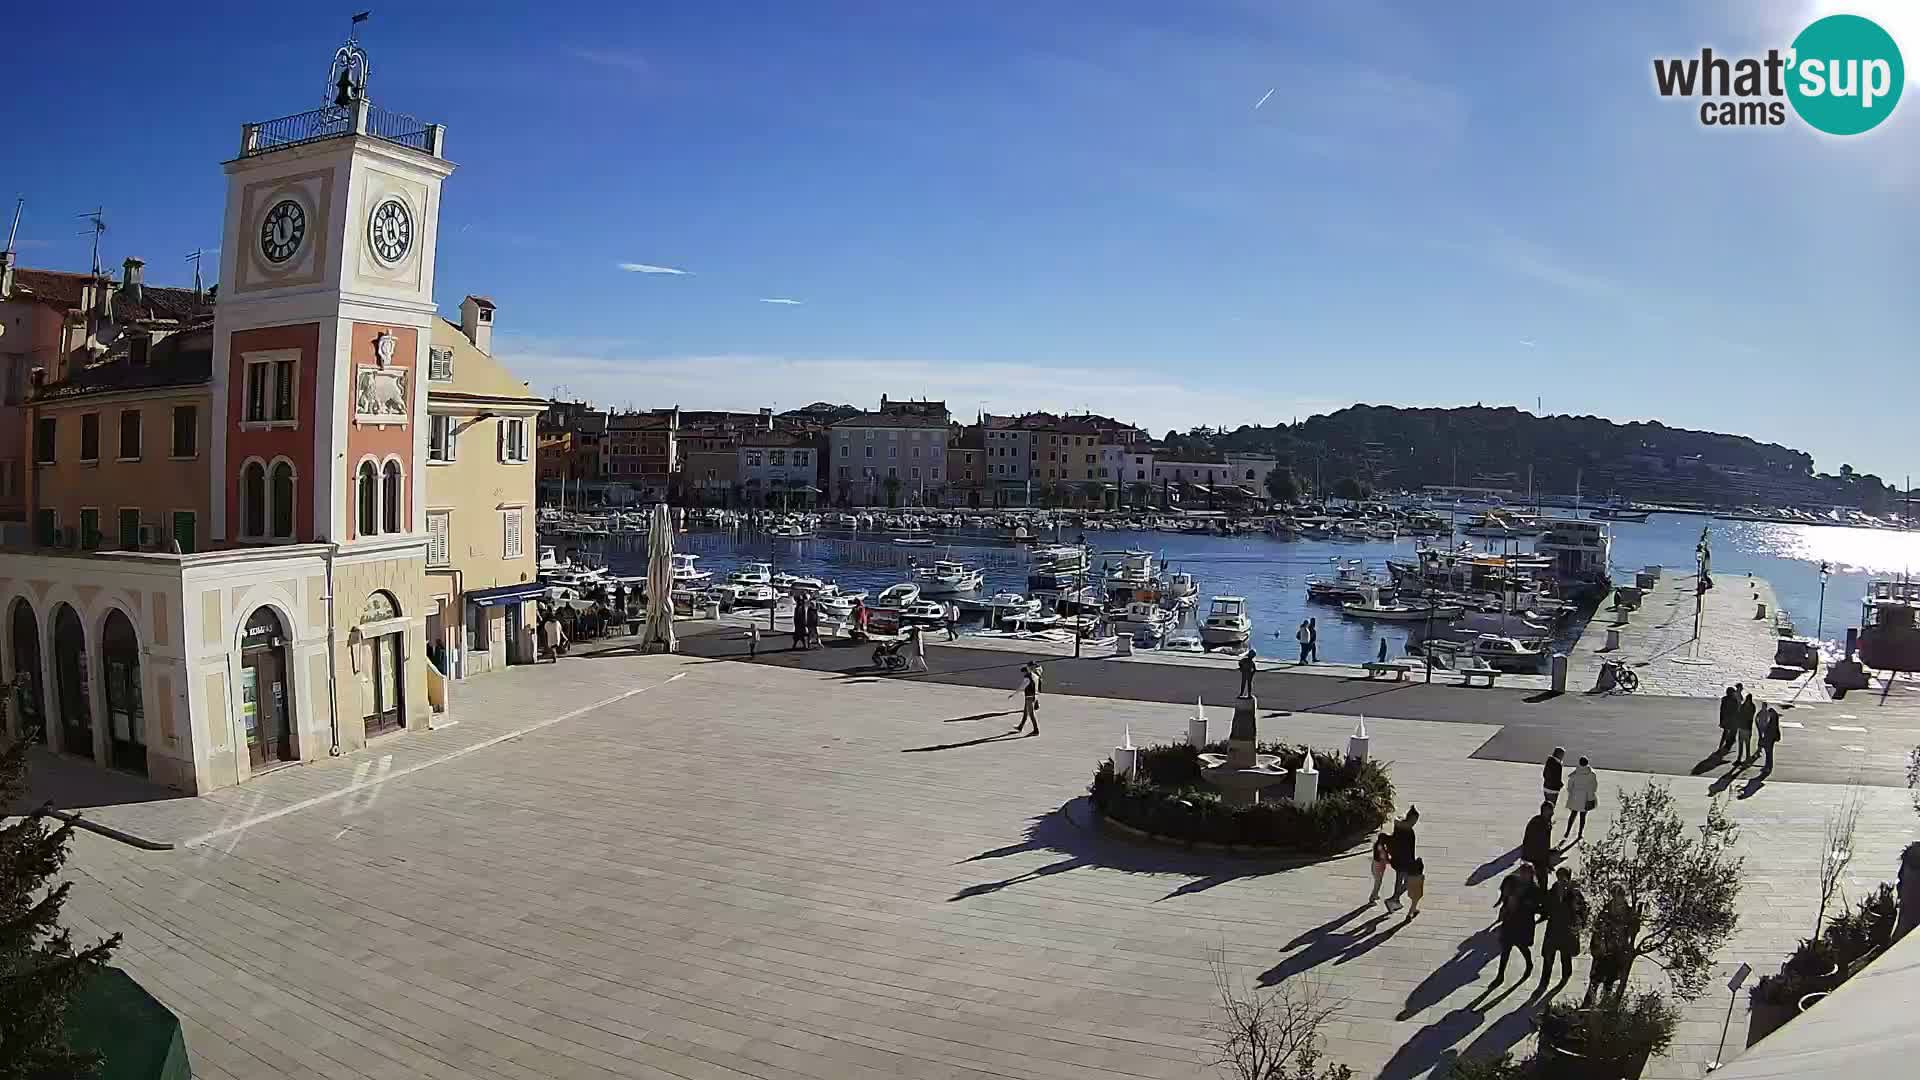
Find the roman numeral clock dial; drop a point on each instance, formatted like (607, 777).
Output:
(390, 231)
(282, 230)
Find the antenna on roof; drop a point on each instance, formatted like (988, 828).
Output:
(99, 226)
(194, 258)
(353, 28)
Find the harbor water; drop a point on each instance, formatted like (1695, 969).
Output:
(1272, 574)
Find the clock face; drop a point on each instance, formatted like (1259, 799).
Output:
(390, 230)
(282, 230)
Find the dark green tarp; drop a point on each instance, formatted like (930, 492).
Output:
(139, 1038)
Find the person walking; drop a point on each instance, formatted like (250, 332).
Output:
(1305, 639)
(1583, 794)
(550, 630)
(1536, 845)
(1313, 640)
(1030, 692)
(1566, 921)
(1382, 658)
(1518, 903)
(753, 641)
(1550, 776)
(920, 648)
(1402, 855)
(1247, 669)
(953, 622)
(1745, 729)
(1767, 721)
(1382, 858)
(1729, 717)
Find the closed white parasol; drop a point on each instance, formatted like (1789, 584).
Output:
(658, 635)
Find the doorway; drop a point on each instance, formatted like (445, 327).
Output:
(70, 679)
(387, 703)
(126, 718)
(266, 705)
(29, 707)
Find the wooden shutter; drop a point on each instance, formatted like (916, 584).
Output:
(512, 547)
(437, 525)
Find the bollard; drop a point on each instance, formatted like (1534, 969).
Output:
(1123, 645)
(1306, 783)
(1357, 742)
(713, 609)
(1559, 673)
(1197, 726)
(1613, 640)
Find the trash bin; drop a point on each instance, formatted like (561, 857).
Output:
(1560, 672)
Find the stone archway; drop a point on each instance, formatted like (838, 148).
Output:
(29, 704)
(267, 711)
(120, 678)
(73, 691)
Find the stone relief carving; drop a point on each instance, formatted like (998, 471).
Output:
(381, 395)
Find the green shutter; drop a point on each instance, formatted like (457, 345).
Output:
(89, 529)
(183, 530)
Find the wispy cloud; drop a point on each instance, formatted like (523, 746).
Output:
(1527, 341)
(779, 300)
(649, 268)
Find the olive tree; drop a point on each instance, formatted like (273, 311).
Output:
(1680, 888)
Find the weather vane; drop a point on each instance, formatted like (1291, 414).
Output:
(347, 77)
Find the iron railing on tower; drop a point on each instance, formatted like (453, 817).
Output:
(336, 121)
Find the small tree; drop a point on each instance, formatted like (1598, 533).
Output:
(39, 970)
(893, 490)
(1281, 484)
(1093, 493)
(1276, 1035)
(1836, 850)
(1680, 890)
(1139, 491)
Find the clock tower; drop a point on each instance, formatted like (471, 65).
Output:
(321, 337)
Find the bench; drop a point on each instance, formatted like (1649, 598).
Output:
(1467, 675)
(1398, 668)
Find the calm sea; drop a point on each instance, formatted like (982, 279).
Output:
(1272, 574)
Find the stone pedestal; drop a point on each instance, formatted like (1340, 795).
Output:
(1122, 645)
(1613, 640)
(1242, 771)
(1306, 783)
(1357, 742)
(1197, 728)
(1123, 760)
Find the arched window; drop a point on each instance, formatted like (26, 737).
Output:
(390, 498)
(282, 488)
(369, 499)
(253, 500)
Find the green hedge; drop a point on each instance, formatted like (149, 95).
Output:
(1166, 796)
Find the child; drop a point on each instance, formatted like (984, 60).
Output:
(1382, 854)
(753, 641)
(1416, 887)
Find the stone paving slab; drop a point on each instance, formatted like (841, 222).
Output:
(753, 871)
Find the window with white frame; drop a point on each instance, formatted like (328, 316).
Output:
(442, 434)
(440, 364)
(439, 525)
(510, 528)
(513, 441)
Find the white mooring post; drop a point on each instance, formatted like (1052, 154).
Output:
(1306, 783)
(1197, 726)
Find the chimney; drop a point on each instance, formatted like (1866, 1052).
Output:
(130, 279)
(139, 348)
(766, 418)
(6, 275)
(476, 321)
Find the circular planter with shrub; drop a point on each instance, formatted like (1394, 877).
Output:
(1166, 798)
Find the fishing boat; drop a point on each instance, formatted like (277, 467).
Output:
(1504, 525)
(1226, 623)
(1002, 606)
(784, 582)
(1350, 579)
(948, 578)
(1508, 654)
(1180, 585)
(752, 573)
(923, 613)
(835, 604)
(914, 541)
(1889, 637)
(1135, 570)
(685, 573)
(1370, 606)
(1142, 619)
(1580, 551)
(787, 530)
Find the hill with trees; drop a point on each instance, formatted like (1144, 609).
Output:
(1385, 447)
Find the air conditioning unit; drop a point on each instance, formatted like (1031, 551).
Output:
(59, 536)
(150, 537)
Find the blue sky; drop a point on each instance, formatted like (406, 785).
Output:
(1069, 204)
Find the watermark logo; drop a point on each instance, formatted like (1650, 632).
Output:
(1842, 75)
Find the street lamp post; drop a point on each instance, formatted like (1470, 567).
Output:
(1820, 620)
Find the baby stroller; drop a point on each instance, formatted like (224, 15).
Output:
(886, 656)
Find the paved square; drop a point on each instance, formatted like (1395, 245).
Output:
(753, 871)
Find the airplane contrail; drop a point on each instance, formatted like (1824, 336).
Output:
(1263, 99)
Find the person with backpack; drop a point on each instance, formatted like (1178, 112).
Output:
(1566, 921)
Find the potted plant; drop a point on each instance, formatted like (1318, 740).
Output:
(1772, 1001)
(1611, 1040)
(1817, 964)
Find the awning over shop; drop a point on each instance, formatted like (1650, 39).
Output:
(505, 594)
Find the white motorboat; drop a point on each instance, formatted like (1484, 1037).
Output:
(752, 573)
(1226, 622)
(685, 573)
(948, 578)
(1507, 654)
(1370, 606)
(898, 595)
(787, 530)
(1034, 620)
(1349, 581)
(1144, 620)
(1135, 571)
(784, 582)
(1186, 643)
(923, 613)
(753, 595)
(1006, 605)
(1085, 600)
(914, 541)
(835, 604)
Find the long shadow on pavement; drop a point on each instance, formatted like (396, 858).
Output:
(1073, 832)
(1469, 957)
(1004, 736)
(1493, 867)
